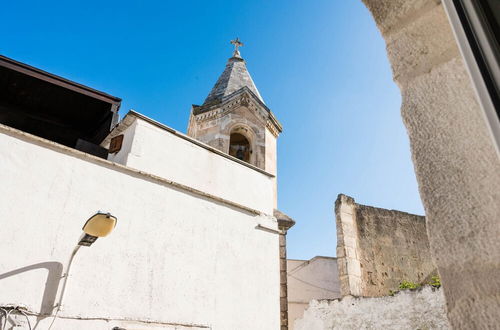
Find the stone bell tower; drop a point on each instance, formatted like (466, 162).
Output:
(234, 118)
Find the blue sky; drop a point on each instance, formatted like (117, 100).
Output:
(320, 65)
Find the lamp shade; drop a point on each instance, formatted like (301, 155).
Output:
(99, 225)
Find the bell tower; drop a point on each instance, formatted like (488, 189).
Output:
(234, 118)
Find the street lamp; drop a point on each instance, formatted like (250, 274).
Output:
(98, 225)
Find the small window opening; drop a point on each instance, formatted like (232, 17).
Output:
(239, 147)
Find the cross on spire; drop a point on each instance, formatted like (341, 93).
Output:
(237, 43)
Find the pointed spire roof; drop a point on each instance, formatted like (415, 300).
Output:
(234, 77)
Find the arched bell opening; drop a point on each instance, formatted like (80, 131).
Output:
(239, 147)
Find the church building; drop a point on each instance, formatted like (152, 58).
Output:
(234, 118)
(192, 248)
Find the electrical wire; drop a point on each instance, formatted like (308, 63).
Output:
(54, 318)
(61, 296)
(5, 312)
(26, 316)
(6, 318)
(311, 284)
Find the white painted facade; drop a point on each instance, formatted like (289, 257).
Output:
(309, 280)
(154, 148)
(188, 250)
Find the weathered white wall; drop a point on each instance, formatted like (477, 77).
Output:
(163, 152)
(174, 257)
(308, 280)
(424, 309)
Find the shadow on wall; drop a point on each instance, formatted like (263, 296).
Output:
(54, 276)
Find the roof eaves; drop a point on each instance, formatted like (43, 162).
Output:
(57, 80)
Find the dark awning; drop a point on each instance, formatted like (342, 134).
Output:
(52, 107)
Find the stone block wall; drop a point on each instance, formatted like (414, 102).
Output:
(378, 248)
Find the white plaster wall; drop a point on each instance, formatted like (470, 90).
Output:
(271, 150)
(127, 128)
(160, 152)
(424, 309)
(174, 258)
(310, 280)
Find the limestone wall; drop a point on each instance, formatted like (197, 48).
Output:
(177, 259)
(456, 164)
(378, 248)
(423, 309)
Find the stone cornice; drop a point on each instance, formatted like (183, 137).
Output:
(242, 97)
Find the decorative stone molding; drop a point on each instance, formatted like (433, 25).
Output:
(272, 128)
(243, 100)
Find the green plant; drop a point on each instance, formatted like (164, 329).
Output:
(435, 281)
(408, 285)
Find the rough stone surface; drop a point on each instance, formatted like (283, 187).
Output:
(415, 48)
(457, 168)
(284, 223)
(390, 13)
(378, 248)
(283, 284)
(423, 309)
(459, 180)
(234, 77)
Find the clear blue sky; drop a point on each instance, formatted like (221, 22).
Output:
(320, 65)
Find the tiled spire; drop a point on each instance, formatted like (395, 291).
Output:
(234, 77)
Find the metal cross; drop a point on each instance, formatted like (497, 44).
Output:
(237, 43)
